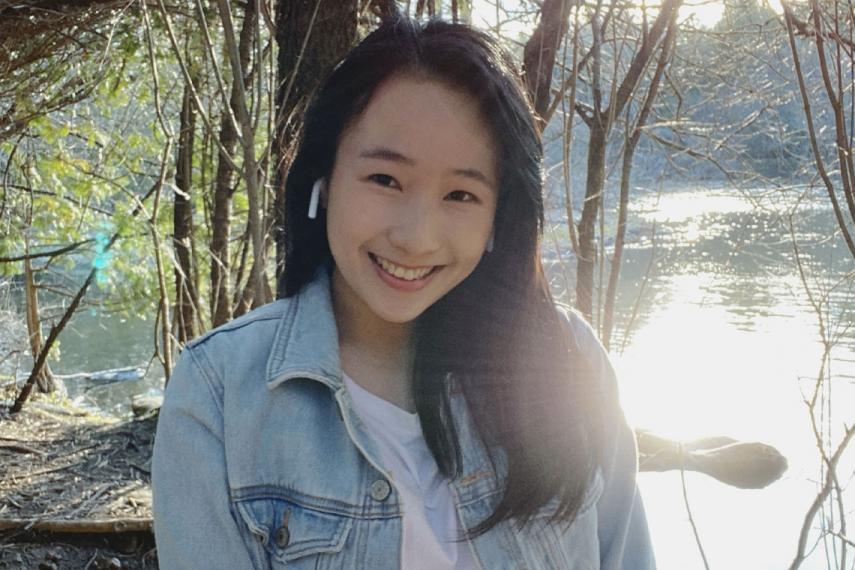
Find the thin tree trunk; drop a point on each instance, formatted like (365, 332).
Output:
(600, 124)
(250, 164)
(587, 255)
(789, 19)
(239, 302)
(224, 186)
(567, 137)
(44, 380)
(41, 360)
(625, 179)
(844, 154)
(165, 354)
(540, 51)
(187, 299)
(620, 238)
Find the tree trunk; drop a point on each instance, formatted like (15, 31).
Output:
(251, 175)
(224, 185)
(540, 51)
(313, 35)
(587, 257)
(600, 124)
(44, 379)
(617, 256)
(186, 297)
(41, 359)
(791, 23)
(626, 174)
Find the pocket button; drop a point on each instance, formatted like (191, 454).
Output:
(380, 490)
(283, 536)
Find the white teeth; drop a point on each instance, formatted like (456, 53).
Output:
(402, 272)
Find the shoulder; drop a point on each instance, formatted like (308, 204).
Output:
(237, 350)
(588, 348)
(245, 326)
(581, 333)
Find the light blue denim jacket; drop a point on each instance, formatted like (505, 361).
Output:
(261, 462)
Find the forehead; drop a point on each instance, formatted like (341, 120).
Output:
(426, 120)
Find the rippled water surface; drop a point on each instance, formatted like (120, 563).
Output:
(726, 343)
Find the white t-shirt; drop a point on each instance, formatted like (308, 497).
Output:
(430, 520)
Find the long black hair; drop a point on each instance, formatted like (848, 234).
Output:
(497, 335)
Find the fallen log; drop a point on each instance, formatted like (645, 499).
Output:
(89, 526)
(111, 376)
(99, 377)
(746, 465)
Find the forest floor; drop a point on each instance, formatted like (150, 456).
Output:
(75, 489)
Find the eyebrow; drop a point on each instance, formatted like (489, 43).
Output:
(383, 153)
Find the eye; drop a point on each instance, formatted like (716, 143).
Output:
(462, 196)
(383, 180)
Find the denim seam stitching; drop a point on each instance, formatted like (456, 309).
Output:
(195, 358)
(325, 504)
(232, 326)
(318, 545)
(286, 326)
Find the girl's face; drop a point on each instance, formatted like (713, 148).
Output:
(411, 199)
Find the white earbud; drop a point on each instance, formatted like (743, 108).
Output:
(316, 196)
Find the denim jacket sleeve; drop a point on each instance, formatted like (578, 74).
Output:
(194, 524)
(622, 525)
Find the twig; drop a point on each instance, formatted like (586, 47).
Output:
(844, 538)
(644, 282)
(689, 512)
(820, 498)
(52, 469)
(52, 253)
(21, 448)
(105, 488)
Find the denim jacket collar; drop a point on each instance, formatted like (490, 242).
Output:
(306, 342)
(306, 346)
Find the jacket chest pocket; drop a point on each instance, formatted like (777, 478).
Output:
(294, 536)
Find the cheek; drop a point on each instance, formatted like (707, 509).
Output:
(350, 222)
(469, 239)
(341, 230)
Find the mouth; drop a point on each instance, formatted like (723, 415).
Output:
(403, 277)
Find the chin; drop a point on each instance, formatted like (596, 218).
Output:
(400, 317)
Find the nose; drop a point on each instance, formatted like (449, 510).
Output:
(416, 229)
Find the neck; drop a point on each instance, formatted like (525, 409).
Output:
(375, 353)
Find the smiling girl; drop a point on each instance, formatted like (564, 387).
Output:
(415, 399)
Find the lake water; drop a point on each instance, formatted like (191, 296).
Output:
(725, 343)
